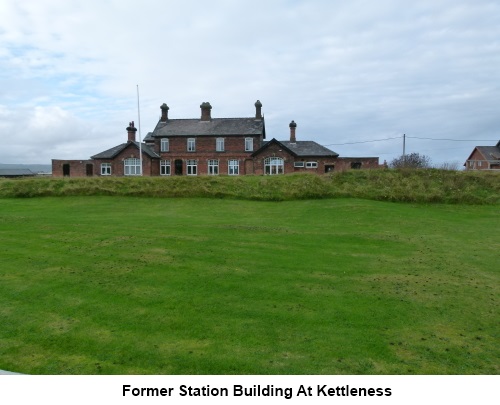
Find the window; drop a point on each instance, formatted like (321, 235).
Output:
(311, 165)
(191, 145)
(479, 163)
(298, 164)
(132, 167)
(165, 167)
(213, 166)
(191, 166)
(219, 145)
(233, 167)
(164, 145)
(355, 165)
(248, 144)
(105, 169)
(274, 165)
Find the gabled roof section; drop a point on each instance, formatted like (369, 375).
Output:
(299, 148)
(113, 152)
(214, 127)
(489, 153)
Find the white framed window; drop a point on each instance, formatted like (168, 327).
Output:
(311, 165)
(191, 167)
(274, 165)
(219, 145)
(191, 145)
(164, 146)
(248, 144)
(233, 167)
(165, 167)
(298, 164)
(213, 167)
(479, 163)
(132, 167)
(105, 169)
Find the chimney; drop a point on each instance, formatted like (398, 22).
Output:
(131, 131)
(258, 110)
(164, 112)
(292, 126)
(205, 111)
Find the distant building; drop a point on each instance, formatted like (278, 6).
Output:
(12, 173)
(484, 158)
(210, 146)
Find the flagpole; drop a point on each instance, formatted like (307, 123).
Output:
(140, 136)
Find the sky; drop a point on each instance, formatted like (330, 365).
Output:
(354, 75)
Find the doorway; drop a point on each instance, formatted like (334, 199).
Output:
(178, 167)
(66, 170)
(89, 169)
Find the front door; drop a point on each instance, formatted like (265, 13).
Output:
(178, 167)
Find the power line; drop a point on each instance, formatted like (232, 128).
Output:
(374, 140)
(454, 140)
(414, 137)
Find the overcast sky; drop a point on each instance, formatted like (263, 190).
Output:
(347, 72)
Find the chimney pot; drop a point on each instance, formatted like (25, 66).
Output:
(292, 126)
(205, 111)
(131, 131)
(258, 110)
(164, 112)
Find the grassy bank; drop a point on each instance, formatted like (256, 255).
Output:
(119, 285)
(424, 186)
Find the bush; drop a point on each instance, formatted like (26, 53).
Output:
(421, 186)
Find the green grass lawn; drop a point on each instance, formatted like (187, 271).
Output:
(124, 285)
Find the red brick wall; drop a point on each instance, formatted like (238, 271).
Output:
(234, 148)
(275, 150)
(476, 161)
(150, 167)
(77, 168)
(207, 145)
(345, 163)
(205, 150)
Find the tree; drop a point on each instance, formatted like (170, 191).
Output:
(413, 160)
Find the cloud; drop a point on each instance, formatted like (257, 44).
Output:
(343, 71)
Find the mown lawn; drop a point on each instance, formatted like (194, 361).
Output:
(124, 285)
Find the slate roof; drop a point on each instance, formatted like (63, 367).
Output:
(300, 148)
(214, 127)
(111, 153)
(16, 172)
(490, 153)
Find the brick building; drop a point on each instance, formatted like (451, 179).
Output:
(210, 146)
(484, 158)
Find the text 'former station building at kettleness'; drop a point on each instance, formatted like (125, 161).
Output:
(211, 146)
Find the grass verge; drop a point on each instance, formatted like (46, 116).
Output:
(119, 285)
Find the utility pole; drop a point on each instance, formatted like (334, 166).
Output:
(404, 147)
(140, 137)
